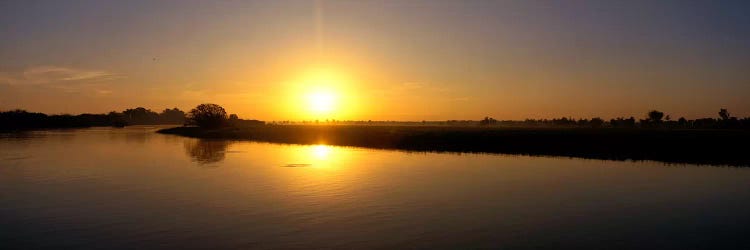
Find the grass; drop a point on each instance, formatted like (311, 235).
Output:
(713, 147)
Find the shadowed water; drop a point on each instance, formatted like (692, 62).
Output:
(133, 188)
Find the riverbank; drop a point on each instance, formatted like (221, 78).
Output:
(713, 147)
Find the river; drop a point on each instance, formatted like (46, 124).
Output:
(133, 188)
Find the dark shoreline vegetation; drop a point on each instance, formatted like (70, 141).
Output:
(214, 116)
(709, 141)
(19, 120)
(702, 141)
(710, 147)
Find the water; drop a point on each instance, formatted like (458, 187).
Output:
(132, 188)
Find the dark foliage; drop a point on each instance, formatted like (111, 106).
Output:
(23, 120)
(596, 122)
(214, 116)
(208, 115)
(622, 122)
(701, 141)
(140, 116)
(172, 116)
(653, 120)
(486, 121)
(678, 146)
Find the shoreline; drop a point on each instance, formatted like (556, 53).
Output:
(701, 147)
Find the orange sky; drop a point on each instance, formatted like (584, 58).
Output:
(379, 60)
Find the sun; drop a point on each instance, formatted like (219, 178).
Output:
(321, 94)
(321, 102)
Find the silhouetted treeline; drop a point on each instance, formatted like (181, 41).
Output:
(653, 119)
(142, 116)
(21, 119)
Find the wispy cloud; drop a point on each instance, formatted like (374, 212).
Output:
(103, 92)
(54, 74)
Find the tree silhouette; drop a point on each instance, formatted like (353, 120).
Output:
(140, 115)
(596, 122)
(724, 114)
(655, 116)
(682, 122)
(172, 116)
(487, 121)
(208, 115)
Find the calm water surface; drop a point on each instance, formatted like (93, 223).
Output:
(133, 188)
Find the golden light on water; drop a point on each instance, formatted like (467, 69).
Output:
(321, 152)
(320, 156)
(323, 156)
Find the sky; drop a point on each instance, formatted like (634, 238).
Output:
(379, 60)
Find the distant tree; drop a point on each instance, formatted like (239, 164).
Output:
(724, 114)
(630, 122)
(563, 121)
(655, 116)
(705, 123)
(234, 120)
(596, 122)
(727, 121)
(583, 122)
(172, 116)
(140, 115)
(487, 121)
(208, 115)
(116, 119)
(622, 122)
(682, 122)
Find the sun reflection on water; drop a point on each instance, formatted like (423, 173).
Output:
(321, 152)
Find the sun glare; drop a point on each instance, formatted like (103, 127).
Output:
(321, 102)
(321, 152)
(322, 94)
